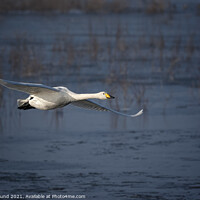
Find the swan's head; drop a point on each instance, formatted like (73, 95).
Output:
(105, 95)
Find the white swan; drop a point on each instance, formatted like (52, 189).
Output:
(45, 98)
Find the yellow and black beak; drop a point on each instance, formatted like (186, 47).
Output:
(108, 96)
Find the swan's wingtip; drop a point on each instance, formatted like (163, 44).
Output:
(137, 114)
(140, 112)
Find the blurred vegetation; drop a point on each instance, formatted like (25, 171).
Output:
(23, 58)
(88, 6)
(198, 9)
(65, 5)
(157, 6)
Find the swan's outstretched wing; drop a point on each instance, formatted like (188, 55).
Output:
(30, 88)
(91, 105)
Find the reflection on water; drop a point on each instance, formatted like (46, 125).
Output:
(145, 61)
(57, 118)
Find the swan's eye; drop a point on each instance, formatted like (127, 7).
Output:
(31, 98)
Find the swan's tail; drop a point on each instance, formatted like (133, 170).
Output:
(23, 104)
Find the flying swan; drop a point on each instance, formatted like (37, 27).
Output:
(43, 97)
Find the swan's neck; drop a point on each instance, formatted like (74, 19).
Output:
(79, 97)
